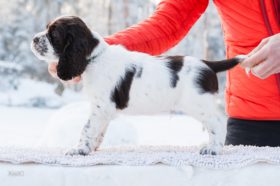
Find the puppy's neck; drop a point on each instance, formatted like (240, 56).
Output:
(100, 48)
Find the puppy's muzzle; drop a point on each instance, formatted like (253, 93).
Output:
(36, 40)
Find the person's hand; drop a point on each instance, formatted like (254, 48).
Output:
(53, 73)
(264, 60)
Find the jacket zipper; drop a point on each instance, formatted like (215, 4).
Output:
(269, 28)
(276, 4)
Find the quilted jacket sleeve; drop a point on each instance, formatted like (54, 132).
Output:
(165, 28)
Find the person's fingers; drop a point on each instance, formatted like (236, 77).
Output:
(273, 68)
(263, 70)
(248, 64)
(52, 69)
(261, 44)
(256, 58)
(277, 70)
(76, 79)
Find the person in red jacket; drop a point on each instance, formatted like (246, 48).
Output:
(250, 28)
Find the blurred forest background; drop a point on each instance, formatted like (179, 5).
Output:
(24, 80)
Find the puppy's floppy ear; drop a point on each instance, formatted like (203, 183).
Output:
(73, 60)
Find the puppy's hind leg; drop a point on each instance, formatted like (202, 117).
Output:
(206, 110)
(216, 127)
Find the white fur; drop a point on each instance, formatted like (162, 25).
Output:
(247, 69)
(150, 94)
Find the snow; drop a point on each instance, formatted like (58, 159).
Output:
(60, 128)
(9, 65)
(21, 126)
(259, 175)
(31, 127)
(31, 93)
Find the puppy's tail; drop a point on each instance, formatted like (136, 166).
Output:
(223, 65)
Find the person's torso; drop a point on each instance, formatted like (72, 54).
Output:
(245, 23)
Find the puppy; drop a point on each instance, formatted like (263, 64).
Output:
(117, 80)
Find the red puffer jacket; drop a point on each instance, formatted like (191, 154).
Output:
(245, 23)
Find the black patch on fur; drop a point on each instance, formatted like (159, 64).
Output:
(40, 46)
(175, 64)
(213, 132)
(207, 80)
(87, 126)
(139, 72)
(120, 94)
(223, 65)
(87, 145)
(73, 42)
(102, 135)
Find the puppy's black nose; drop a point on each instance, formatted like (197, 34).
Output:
(36, 39)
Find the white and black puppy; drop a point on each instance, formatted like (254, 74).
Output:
(117, 80)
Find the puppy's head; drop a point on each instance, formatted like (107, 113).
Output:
(67, 40)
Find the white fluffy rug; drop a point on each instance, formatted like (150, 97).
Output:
(232, 156)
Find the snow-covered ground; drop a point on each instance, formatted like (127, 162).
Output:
(22, 126)
(30, 127)
(61, 128)
(31, 93)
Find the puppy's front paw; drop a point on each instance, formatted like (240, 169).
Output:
(78, 151)
(209, 151)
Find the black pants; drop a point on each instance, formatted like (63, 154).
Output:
(250, 132)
